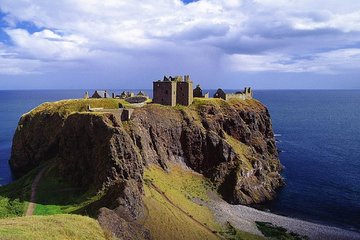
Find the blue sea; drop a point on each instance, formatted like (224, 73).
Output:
(317, 131)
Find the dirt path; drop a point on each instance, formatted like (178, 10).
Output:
(34, 185)
(184, 212)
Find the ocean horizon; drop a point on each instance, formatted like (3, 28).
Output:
(317, 133)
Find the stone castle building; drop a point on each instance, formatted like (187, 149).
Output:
(173, 90)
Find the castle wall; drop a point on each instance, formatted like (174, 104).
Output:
(164, 92)
(235, 95)
(246, 94)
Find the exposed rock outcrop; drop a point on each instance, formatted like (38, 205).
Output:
(232, 143)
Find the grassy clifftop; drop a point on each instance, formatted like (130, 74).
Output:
(66, 107)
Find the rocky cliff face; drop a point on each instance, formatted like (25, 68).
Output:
(231, 143)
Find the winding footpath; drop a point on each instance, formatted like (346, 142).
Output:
(34, 185)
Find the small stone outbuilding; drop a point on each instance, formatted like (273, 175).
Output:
(101, 94)
(199, 93)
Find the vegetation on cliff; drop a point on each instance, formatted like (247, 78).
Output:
(14, 197)
(56, 227)
(66, 107)
(172, 193)
(178, 196)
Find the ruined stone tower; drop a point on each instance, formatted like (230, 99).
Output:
(184, 91)
(173, 90)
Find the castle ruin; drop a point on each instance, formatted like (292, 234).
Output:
(173, 90)
(246, 94)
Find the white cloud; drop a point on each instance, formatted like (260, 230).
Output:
(330, 62)
(18, 66)
(48, 45)
(249, 35)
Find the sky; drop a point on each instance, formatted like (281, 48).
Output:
(115, 44)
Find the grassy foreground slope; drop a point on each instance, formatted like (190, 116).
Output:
(173, 201)
(14, 197)
(56, 196)
(54, 227)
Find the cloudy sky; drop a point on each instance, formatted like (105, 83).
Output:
(229, 43)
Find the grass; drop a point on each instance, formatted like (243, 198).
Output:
(216, 102)
(182, 186)
(275, 232)
(188, 191)
(241, 150)
(234, 104)
(55, 196)
(14, 197)
(232, 233)
(66, 107)
(51, 227)
(166, 221)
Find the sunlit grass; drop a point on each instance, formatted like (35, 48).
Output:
(66, 107)
(188, 191)
(14, 197)
(51, 227)
(166, 221)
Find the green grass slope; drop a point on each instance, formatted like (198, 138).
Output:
(174, 209)
(56, 196)
(14, 197)
(54, 227)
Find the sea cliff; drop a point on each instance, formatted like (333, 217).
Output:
(231, 143)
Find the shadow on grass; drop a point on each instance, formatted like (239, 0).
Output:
(53, 195)
(15, 196)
